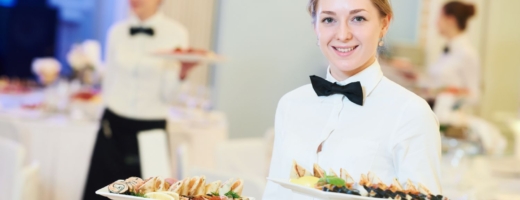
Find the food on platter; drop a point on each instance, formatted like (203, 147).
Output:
(369, 185)
(308, 181)
(298, 171)
(190, 55)
(193, 188)
(193, 51)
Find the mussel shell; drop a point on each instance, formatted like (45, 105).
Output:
(402, 194)
(354, 192)
(380, 193)
(325, 189)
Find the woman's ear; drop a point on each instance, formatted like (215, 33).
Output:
(385, 22)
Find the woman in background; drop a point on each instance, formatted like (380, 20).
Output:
(137, 88)
(458, 69)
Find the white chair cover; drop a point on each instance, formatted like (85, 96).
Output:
(12, 156)
(31, 185)
(154, 154)
(243, 156)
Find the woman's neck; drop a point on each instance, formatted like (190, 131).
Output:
(453, 34)
(344, 75)
(145, 15)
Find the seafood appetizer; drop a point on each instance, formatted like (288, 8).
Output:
(369, 185)
(194, 188)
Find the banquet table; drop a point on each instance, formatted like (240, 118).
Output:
(62, 145)
(481, 177)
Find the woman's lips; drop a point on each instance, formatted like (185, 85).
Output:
(344, 51)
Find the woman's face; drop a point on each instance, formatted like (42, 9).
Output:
(349, 32)
(444, 23)
(144, 7)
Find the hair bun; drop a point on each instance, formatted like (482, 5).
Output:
(470, 10)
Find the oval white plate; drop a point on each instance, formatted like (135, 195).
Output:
(189, 57)
(317, 193)
(104, 192)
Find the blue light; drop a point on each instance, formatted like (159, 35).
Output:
(7, 3)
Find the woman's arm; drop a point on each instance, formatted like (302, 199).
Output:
(272, 190)
(171, 75)
(417, 147)
(108, 71)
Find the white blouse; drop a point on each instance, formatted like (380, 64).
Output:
(459, 68)
(394, 134)
(137, 84)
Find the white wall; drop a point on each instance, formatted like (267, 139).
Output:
(501, 65)
(271, 49)
(405, 25)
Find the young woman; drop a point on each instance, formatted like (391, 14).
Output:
(137, 88)
(459, 66)
(355, 118)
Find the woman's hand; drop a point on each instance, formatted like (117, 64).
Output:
(186, 68)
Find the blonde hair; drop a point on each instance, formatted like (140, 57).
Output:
(384, 7)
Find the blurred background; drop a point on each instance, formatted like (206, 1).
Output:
(220, 123)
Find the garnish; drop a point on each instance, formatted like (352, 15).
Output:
(332, 180)
(232, 195)
(137, 194)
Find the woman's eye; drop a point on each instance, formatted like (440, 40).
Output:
(328, 20)
(359, 19)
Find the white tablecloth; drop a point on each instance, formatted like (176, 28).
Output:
(63, 146)
(481, 178)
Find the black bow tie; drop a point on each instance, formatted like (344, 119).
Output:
(137, 30)
(446, 49)
(352, 91)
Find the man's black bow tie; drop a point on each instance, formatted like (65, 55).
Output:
(353, 91)
(446, 49)
(142, 30)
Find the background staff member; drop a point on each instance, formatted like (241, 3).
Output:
(459, 66)
(138, 88)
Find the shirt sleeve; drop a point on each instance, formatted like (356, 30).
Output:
(274, 191)
(471, 76)
(108, 70)
(417, 147)
(171, 73)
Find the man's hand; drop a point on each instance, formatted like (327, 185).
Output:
(186, 68)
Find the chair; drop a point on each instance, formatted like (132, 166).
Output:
(8, 130)
(183, 164)
(154, 154)
(12, 156)
(244, 156)
(31, 182)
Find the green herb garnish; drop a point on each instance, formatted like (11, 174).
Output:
(332, 180)
(232, 195)
(137, 194)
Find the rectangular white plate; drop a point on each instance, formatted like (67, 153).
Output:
(317, 193)
(104, 192)
(190, 57)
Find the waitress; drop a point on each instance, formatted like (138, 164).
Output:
(137, 87)
(459, 66)
(355, 118)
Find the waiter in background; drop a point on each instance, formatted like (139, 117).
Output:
(458, 69)
(137, 87)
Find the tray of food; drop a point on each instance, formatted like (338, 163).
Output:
(194, 188)
(343, 187)
(190, 55)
